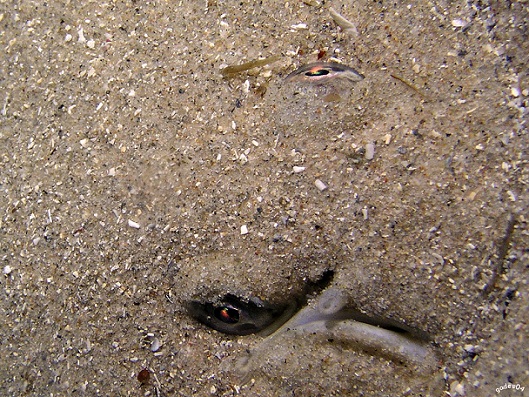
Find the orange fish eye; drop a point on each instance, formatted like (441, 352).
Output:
(227, 314)
(323, 72)
(317, 71)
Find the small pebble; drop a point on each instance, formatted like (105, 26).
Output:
(134, 224)
(144, 376)
(459, 23)
(244, 230)
(370, 151)
(80, 33)
(320, 185)
(297, 169)
(365, 213)
(7, 269)
(299, 26)
(511, 195)
(457, 389)
(155, 345)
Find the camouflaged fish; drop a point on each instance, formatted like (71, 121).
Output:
(323, 72)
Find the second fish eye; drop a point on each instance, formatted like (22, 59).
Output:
(227, 314)
(236, 316)
(317, 72)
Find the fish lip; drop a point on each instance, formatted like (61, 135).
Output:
(330, 316)
(331, 307)
(400, 347)
(335, 71)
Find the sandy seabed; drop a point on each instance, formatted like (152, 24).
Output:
(136, 177)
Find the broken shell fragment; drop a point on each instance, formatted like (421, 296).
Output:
(320, 185)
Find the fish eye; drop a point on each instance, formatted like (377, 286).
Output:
(236, 316)
(317, 72)
(227, 314)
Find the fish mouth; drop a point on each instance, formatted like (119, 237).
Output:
(328, 317)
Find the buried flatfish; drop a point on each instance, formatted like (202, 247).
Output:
(319, 94)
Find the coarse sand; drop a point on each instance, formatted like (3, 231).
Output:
(136, 176)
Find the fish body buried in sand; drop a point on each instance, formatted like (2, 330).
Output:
(323, 72)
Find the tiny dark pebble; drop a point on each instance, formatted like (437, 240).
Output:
(144, 376)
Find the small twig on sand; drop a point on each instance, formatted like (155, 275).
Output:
(230, 71)
(409, 85)
(503, 250)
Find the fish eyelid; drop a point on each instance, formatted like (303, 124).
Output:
(314, 72)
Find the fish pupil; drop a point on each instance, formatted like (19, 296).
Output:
(319, 72)
(227, 314)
